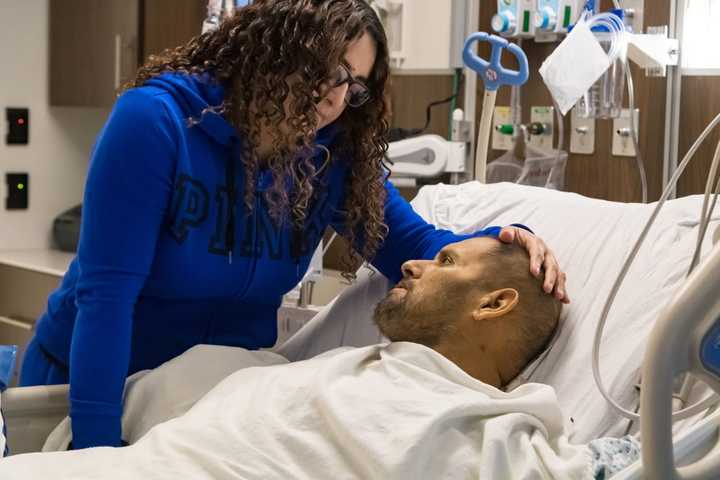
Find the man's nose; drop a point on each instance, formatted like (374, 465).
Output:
(414, 268)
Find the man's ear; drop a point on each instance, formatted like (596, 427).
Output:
(496, 304)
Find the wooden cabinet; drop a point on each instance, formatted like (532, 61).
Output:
(27, 277)
(97, 45)
(169, 23)
(93, 50)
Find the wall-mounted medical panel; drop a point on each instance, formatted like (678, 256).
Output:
(515, 18)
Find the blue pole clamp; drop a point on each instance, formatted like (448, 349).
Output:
(493, 73)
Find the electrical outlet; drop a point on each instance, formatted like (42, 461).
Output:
(542, 125)
(622, 137)
(501, 141)
(582, 133)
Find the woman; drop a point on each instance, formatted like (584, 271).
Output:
(209, 189)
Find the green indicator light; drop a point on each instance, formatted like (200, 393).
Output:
(20, 186)
(526, 21)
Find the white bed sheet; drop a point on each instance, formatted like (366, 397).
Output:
(397, 411)
(591, 239)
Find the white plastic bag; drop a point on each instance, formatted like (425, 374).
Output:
(574, 66)
(538, 169)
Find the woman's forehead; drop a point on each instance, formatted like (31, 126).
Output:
(360, 56)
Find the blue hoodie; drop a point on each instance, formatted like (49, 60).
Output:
(164, 263)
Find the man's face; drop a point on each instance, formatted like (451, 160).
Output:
(434, 294)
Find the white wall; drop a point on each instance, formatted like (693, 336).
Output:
(60, 138)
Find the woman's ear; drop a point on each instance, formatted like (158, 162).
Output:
(496, 304)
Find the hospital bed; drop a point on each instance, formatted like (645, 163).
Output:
(591, 239)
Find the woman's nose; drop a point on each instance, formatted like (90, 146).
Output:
(336, 95)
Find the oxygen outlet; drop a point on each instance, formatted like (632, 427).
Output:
(546, 19)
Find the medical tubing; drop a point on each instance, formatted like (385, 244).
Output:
(633, 132)
(561, 132)
(715, 198)
(516, 100)
(705, 212)
(483, 137)
(702, 405)
(457, 79)
(327, 247)
(615, 27)
(428, 109)
(515, 107)
(705, 216)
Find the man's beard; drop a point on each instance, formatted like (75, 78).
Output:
(388, 316)
(400, 324)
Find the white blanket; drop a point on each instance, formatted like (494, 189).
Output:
(395, 411)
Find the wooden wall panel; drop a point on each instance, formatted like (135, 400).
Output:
(700, 103)
(410, 96)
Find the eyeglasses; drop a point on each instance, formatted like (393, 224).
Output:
(358, 93)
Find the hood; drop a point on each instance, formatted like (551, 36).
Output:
(195, 93)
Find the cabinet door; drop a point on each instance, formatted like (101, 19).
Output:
(93, 50)
(170, 23)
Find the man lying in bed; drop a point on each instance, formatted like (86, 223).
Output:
(428, 405)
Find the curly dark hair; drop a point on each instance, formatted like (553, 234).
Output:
(254, 54)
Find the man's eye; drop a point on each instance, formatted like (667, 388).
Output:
(447, 260)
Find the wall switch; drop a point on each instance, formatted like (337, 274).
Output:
(501, 141)
(17, 191)
(18, 120)
(542, 125)
(623, 145)
(582, 133)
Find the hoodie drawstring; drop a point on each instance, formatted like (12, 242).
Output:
(230, 186)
